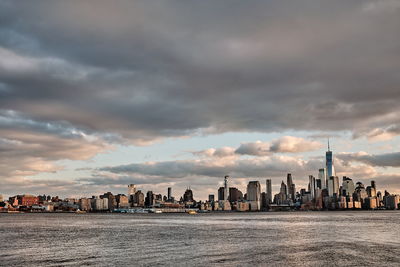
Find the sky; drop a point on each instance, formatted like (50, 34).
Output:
(96, 95)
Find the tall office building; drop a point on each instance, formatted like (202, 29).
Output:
(131, 190)
(289, 179)
(221, 192)
(235, 194)
(150, 199)
(138, 199)
(318, 183)
(254, 195)
(373, 185)
(112, 203)
(291, 189)
(188, 195)
(322, 176)
(333, 186)
(226, 187)
(254, 191)
(330, 169)
(347, 186)
(283, 192)
(360, 192)
(312, 186)
(169, 196)
(268, 191)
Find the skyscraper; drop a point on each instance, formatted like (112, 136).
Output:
(254, 191)
(333, 186)
(322, 176)
(188, 195)
(150, 199)
(235, 194)
(226, 187)
(268, 191)
(221, 192)
(254, 195)
(131, 190)
(330, 169)
(138, 199)
(169, 197)
(347, 186)
(283, 192)
(291, 188)
(291, 191)
(312, 186)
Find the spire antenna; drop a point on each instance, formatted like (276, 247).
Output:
(329, 149)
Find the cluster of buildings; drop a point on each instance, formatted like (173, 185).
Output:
(323, 193)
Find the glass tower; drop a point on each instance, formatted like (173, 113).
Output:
(330, 170)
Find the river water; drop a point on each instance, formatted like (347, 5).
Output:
(362, 238)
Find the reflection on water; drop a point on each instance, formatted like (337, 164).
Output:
(291, 238)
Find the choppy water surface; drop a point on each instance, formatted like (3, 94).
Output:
(273, 239)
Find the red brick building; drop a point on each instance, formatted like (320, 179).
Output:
(25, 200)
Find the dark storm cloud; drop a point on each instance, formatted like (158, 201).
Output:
(153, 69)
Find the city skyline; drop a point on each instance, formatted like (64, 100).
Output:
(93, 98)
(322, 192)
(239, 182)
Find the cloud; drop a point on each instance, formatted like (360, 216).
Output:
(254, 167)
(257, 148)
(207, 174)
(83, 78)
(380, 160)
(380, 134)
(211, 70)
(285, 144)
(216, 152)
(29, 146)
(291, 144)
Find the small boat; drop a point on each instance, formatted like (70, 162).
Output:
(155, 211)
(192, 212)
(80, 212)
